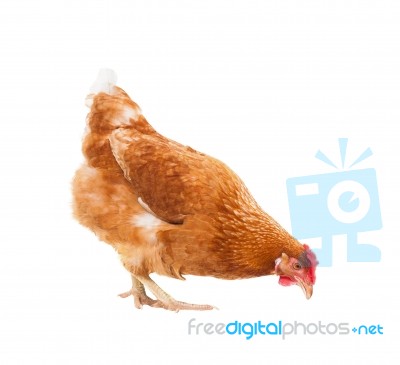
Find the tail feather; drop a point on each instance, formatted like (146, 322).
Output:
(111, 107)
(105, 82)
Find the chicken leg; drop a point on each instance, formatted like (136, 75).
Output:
(139, 294)
(164, 300)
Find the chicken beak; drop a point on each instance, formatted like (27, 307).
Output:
(307, 288)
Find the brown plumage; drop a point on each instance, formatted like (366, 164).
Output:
(169, 209)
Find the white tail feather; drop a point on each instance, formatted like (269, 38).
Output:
(106, 80)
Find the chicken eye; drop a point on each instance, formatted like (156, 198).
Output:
(296, 266)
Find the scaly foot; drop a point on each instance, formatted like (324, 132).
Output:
(139, 295)
(176, 306)
(163, 300)
(140, 299)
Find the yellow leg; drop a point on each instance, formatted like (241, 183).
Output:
(139, 294)
(166, 301)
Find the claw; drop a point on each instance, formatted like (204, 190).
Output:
(163, 300)
(125, 294)
(140, 299)
(176, 306)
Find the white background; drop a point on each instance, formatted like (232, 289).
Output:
(262, 85)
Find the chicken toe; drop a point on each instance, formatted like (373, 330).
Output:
(139, 295)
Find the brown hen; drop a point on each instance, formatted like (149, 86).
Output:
(171, 210)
